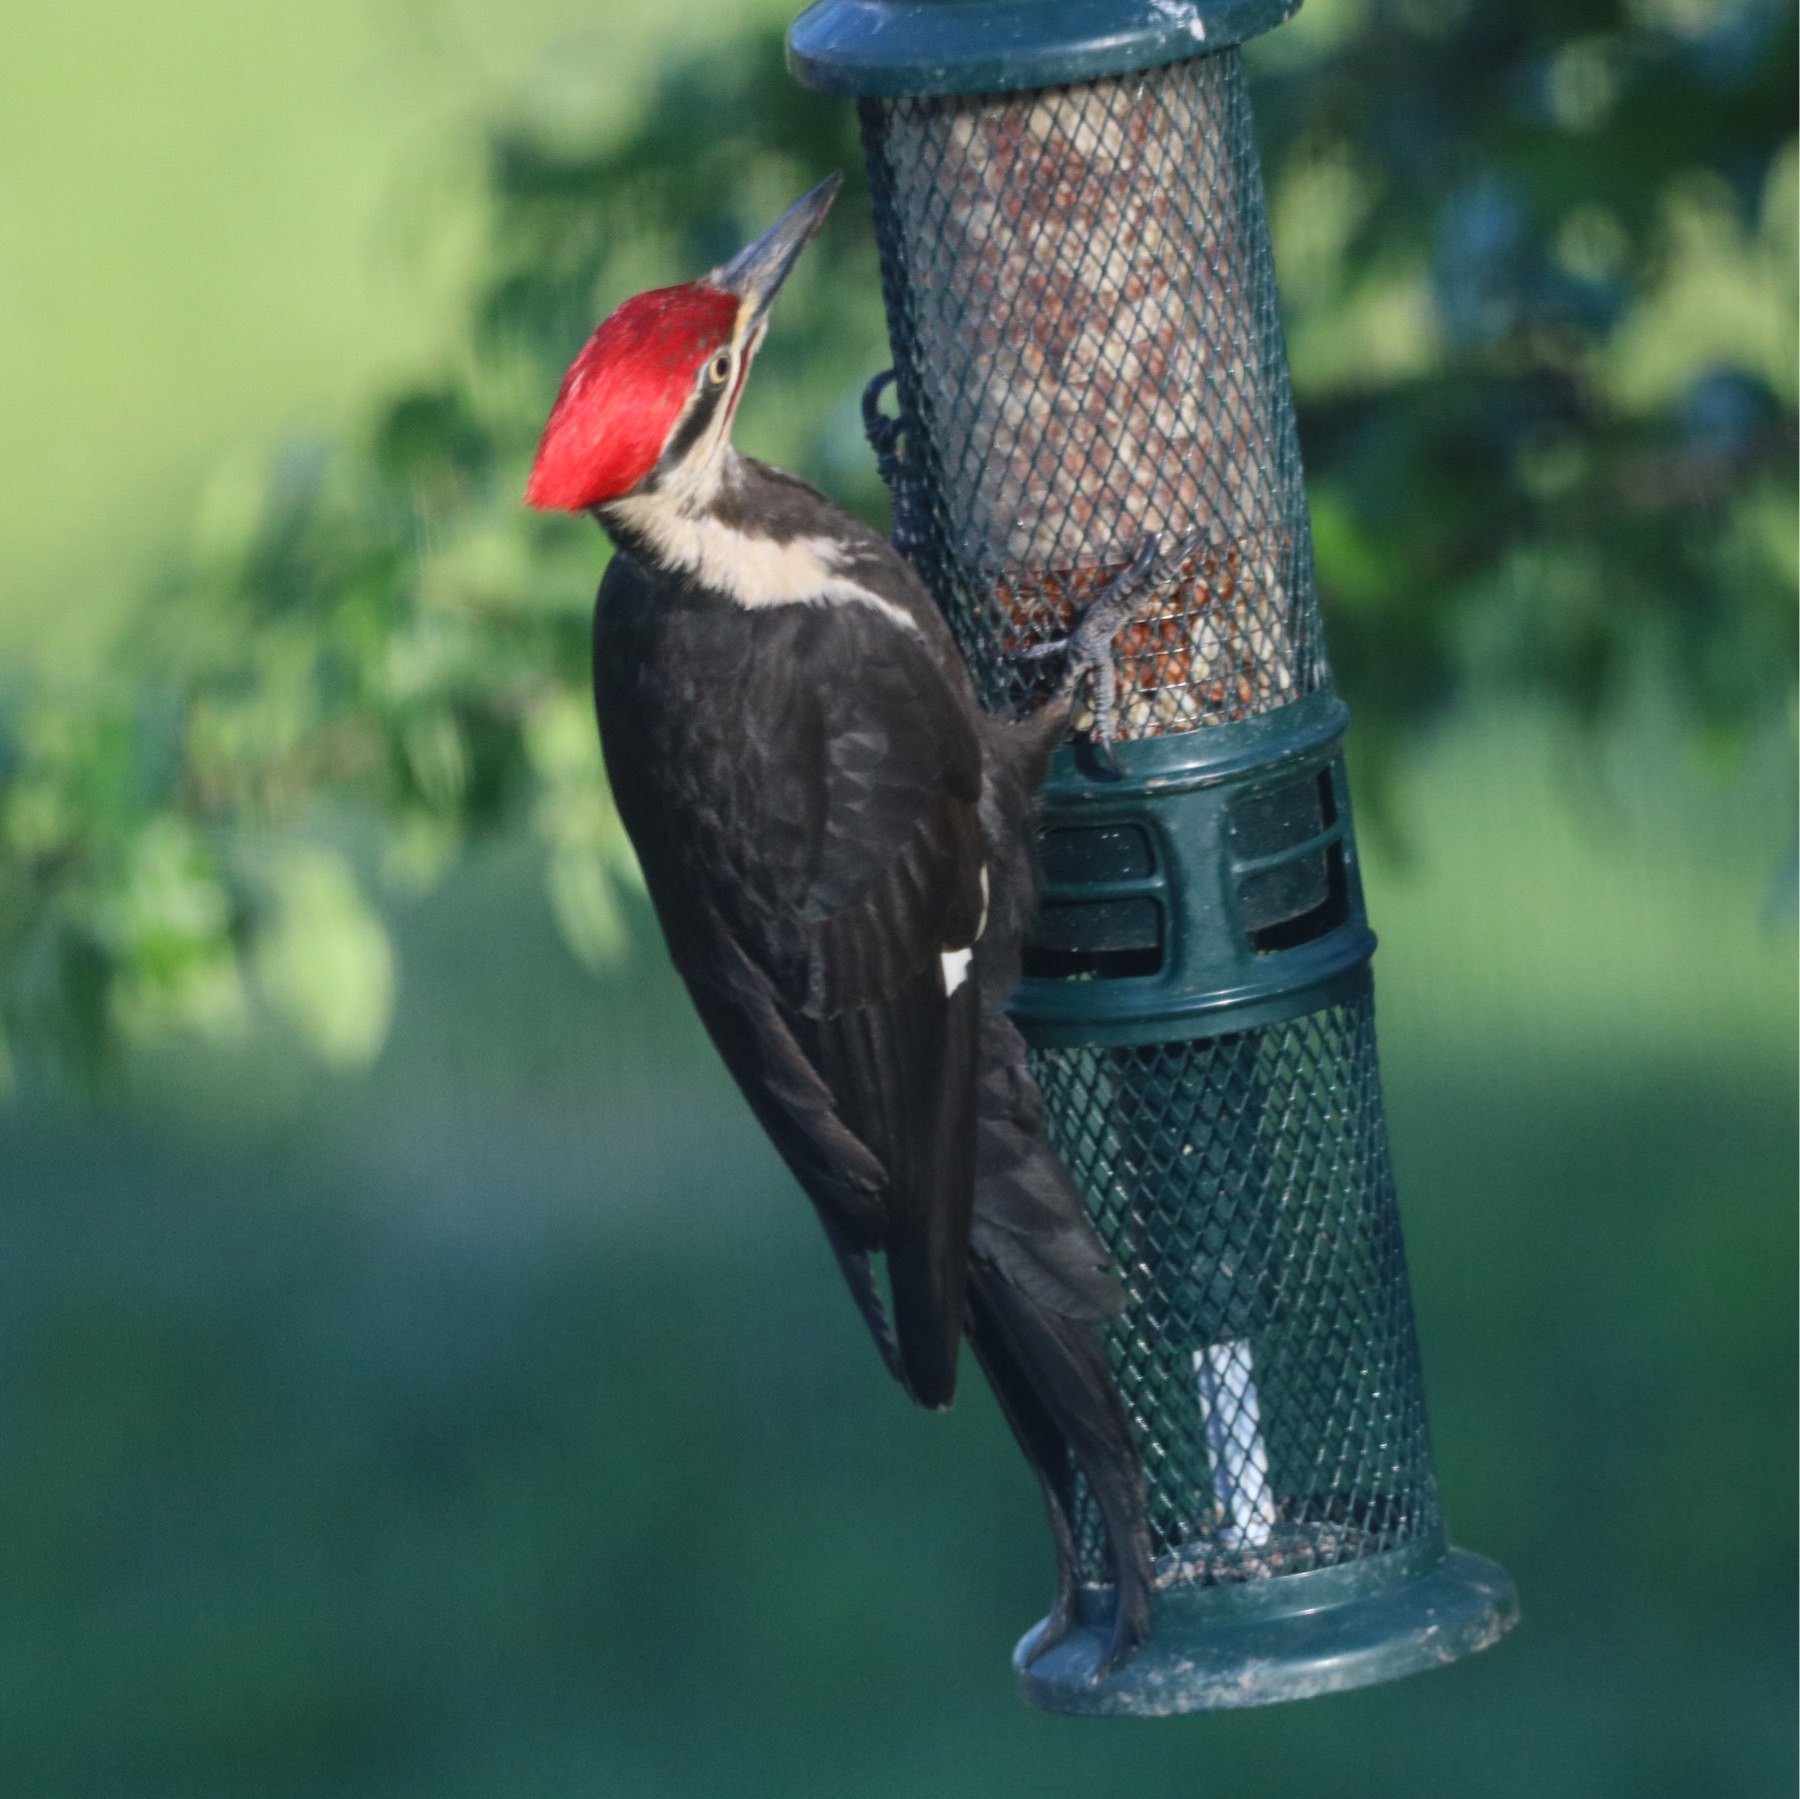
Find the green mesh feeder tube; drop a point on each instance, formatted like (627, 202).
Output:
(1081, 302)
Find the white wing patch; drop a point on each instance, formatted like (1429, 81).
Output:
(956, 961)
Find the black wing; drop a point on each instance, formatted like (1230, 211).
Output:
(811, 840)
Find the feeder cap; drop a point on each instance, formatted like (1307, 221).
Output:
(894, 47)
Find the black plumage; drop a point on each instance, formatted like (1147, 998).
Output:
(825, 820)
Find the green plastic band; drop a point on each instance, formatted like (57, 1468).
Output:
(1213, 888)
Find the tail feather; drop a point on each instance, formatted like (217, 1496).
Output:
(1046, 1449)
(1056, 1387)
(1039, 1291)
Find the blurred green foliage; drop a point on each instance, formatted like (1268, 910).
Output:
(1540, 270)
(1539, 262)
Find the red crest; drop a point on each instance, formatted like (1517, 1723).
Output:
(623, 393)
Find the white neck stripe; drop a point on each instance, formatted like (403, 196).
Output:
(750, 569)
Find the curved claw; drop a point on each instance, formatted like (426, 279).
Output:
(1106, 754)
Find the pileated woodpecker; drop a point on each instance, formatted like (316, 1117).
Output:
(837, 841)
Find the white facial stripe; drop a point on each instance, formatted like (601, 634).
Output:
(694, 481)
(703, 464)
(981, 922)
(753, 570)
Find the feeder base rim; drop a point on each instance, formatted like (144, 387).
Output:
(1197, 1660)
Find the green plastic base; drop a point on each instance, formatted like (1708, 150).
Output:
(1184, 844)
(1210, 1651)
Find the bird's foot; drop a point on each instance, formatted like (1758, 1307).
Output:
(1087, 645)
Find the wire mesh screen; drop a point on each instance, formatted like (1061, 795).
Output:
(1081, 300)
(1082, 305)
(1268, 1353)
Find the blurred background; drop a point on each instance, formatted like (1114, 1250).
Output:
(417, 1376)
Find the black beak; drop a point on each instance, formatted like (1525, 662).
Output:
(756, 273)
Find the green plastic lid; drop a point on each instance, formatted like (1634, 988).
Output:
(891, 47)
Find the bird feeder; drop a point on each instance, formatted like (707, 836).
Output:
(1087, 348)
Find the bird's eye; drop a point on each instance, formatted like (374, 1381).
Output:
(719, 368)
